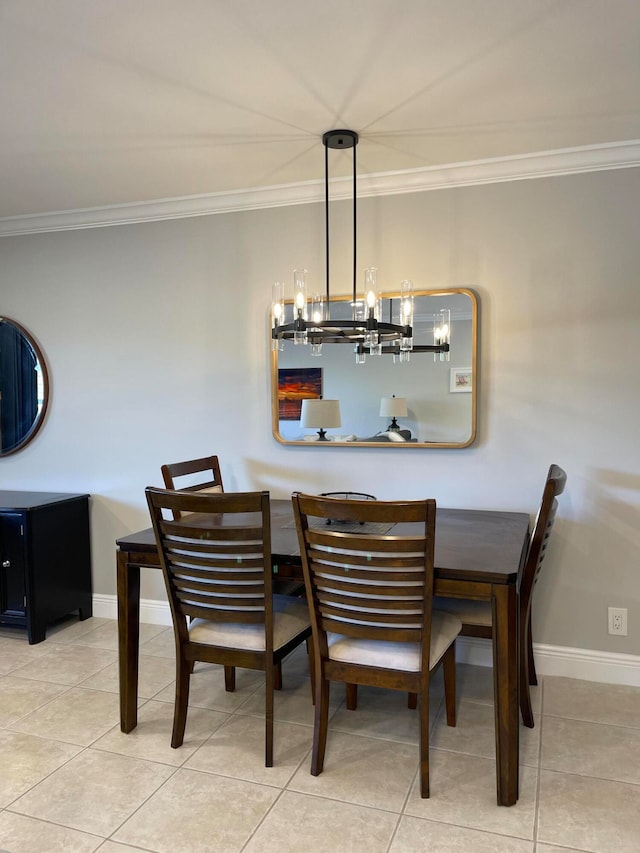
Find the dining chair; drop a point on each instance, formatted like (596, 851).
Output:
(212, 484)
(217, 572)
(370, 597)
(476, 616)
(207, 465)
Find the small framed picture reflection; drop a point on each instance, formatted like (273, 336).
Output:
(461, 380)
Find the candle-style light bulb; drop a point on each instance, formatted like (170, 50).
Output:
(277, 313)
(442, 332)
(406, 315)
(373, 307)
(300, 306)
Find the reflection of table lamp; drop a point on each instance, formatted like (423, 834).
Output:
(320, 413)
(393, 407)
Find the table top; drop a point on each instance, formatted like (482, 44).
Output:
(17, 501)
(471, 545)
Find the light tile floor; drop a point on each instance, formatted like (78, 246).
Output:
(71, 781)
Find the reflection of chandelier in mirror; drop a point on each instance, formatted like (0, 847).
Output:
(367, 331)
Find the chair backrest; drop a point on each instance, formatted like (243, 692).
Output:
(216, 564)
(554, 486)
(366, 584)
(207, 465)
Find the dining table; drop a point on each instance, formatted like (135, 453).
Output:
(478, 555)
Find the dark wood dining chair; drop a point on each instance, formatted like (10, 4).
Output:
(217, 572)
(476, 615)
(209, 483)
(370, 597)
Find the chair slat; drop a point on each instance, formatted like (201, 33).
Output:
(371, 632)
(367, 601)
(354, 573)
(213, 576)
(244, 617)
(178, 531)
(218, 591)
(239, 564)
(221, 602)
(364, 542)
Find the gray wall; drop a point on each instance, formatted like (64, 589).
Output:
(156, 339)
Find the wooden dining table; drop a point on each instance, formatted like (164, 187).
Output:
(478, 555)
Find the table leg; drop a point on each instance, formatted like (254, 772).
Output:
(505, 675)
(128, 640)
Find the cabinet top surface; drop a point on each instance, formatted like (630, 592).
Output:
(30, 500)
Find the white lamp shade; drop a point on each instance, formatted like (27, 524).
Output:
(393, 407)
(320, 414)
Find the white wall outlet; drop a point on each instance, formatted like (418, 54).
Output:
(618, 621)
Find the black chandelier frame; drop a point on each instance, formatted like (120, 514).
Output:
(354, 331)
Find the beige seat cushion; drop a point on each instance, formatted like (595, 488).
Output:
(290, 617)
(210, 490)
(469, 612)
(405, 656)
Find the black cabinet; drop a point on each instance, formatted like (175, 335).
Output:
(45, 559)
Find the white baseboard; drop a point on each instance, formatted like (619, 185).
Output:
(587, 664)
(152, 611)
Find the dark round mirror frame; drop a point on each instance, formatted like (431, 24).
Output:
(40, 417)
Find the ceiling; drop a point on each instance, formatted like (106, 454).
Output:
(107, 102)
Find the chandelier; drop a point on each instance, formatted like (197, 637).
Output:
(367, 331)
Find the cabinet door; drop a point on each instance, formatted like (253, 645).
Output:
(12, 580)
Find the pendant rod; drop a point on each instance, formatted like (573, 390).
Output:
(355, 232)
(340, 139)
(326, 224)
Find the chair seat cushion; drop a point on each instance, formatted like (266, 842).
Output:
(468, 612)
(390, 655)
(290, 618)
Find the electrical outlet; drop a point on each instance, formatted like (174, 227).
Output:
(618, 621)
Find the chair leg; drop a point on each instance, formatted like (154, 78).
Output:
(277, 676)
(424, 744)
(412, 701)
(183, 672)
(533, 679)
(312, 669)
(270, 672)
(449, 672)
(229, 678)
(320, 726)
(524, 679)
(352, 697)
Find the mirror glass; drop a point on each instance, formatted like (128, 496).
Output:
(440, 395)
(24, 387)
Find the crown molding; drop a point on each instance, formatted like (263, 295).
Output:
(544, 164)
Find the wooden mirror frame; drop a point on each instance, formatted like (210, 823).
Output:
(275, 420)
(36, 425)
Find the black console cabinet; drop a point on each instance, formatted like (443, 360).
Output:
(45, 559)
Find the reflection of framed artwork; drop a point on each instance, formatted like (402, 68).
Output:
(461, 380)
(296, 384)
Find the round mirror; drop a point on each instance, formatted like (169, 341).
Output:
(24, 387)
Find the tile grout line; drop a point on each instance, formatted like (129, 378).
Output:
(536, 814)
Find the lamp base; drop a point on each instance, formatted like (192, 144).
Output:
(322, 435)
(394, 426)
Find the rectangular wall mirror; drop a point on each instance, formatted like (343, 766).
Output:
(433, 401)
